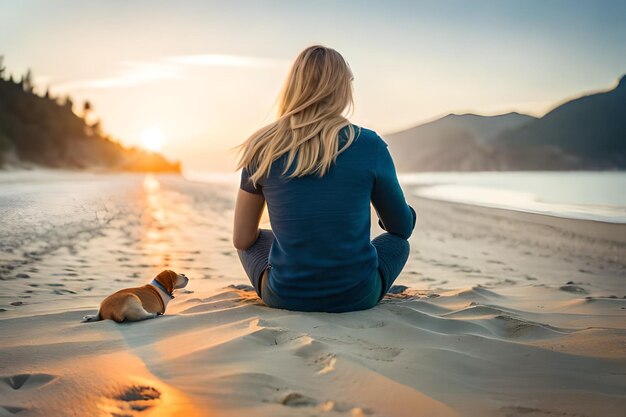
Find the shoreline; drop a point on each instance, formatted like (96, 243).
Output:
(588, 195)
(594, 228)
(411, 188)
(37, 172)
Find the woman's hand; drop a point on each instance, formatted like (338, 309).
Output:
(248, 211)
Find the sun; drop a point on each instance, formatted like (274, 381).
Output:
(152, 138)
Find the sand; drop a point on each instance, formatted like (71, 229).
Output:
(497, 313)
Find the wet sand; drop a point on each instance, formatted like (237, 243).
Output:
(497, 313)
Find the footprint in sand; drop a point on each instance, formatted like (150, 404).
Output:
(270, 336)
(328, 361)
(27, 381)
(132, 399)
(10, 410)
(571, 288)
(295, 399)
(513, 327)
(317, 354)
(379, 353)
(139, 393)
(363, 348)
(63, 291)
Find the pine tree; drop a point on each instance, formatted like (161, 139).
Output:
(27, 82)
(86, 109)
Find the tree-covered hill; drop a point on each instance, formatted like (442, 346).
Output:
(45, 131)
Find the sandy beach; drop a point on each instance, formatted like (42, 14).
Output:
(497, 313)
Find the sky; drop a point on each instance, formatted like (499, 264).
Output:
(206, 74)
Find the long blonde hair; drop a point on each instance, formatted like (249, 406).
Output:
(310, 117)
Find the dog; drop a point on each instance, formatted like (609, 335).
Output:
(141, 303)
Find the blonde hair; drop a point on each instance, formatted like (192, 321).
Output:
(310, 116)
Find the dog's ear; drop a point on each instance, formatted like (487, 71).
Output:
(167, 278)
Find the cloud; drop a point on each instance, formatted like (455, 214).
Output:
(217, 60)
(132, 73)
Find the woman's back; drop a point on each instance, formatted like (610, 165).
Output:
(322, 255)
(318, 174)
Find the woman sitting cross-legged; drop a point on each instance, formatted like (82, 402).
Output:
(318, 174)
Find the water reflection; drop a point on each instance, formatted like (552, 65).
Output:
(156, 234)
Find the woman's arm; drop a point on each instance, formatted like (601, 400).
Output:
(394, 214)
(248, 211)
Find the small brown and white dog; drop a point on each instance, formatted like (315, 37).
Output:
(141, 303)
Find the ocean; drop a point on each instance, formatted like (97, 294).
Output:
(599, 196)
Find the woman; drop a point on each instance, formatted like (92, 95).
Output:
(318, 173)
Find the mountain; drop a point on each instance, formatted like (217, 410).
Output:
(592, 127)
(43, 131)
(482, 128)
(453, 143)
(585, 133)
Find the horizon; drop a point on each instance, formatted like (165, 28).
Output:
(218, 71)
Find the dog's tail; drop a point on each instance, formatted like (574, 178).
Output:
(95, 317)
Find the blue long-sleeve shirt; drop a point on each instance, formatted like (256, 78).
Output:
(322, 258)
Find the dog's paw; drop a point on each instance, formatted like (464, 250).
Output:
(87, 319)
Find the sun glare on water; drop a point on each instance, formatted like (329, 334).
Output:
(152, 138)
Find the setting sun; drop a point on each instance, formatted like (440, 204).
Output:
(152, 138)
